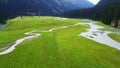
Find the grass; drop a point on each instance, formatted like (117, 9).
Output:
(61, 48)
(106, 27)
(15, 28)
(115, 37)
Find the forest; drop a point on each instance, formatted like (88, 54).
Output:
(106, 11)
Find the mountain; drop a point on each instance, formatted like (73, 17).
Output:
(107, 11)
(106, 2)
(40, 7)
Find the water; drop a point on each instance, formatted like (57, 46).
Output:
(100, 36)
(93, 33)
(33, 34)
(2, 26)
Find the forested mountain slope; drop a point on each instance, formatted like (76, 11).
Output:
(10, 8)
(107, 11)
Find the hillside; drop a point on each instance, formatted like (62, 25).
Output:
(105, 11)
(39, 7)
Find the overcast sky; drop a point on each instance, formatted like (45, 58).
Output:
(94, 1)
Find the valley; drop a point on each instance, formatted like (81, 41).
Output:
(59, 33)
(54, 42)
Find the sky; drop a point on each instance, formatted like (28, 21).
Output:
(94, 1)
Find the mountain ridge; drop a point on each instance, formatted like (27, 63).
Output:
(106, 11)
(12, 8)
(46, 7)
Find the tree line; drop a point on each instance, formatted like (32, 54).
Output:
(106, 11)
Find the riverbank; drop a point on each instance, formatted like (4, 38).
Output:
(2, 26)
(60, 48)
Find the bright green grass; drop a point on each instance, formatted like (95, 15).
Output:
(15, 28)
(61, 48)
(115, 37)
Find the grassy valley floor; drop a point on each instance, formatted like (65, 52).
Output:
(61, 48)
(115, 37)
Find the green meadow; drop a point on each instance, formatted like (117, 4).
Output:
(61, 48)
(115, 36)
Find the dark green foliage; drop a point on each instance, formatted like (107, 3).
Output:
(13, 8)
(106, 11)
